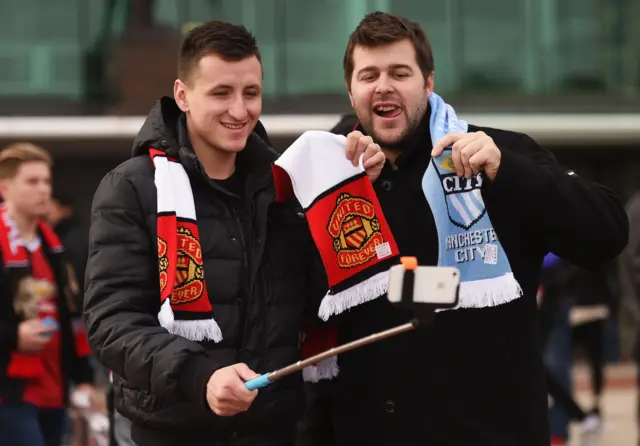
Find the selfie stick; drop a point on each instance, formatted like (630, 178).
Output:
(268, 378)
(424, 313)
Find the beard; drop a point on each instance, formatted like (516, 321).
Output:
(413, 119)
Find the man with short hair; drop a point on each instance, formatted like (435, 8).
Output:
(197, 280)
(42, 339)
(490, 202)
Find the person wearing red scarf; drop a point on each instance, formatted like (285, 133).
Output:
(42, 337)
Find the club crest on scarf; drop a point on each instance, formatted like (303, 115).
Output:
(349, 233)
(163, 263)
(463, 195)
(189, 270)
(356, 231)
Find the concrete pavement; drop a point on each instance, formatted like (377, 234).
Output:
(618, 404)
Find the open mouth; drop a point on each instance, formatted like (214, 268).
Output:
(387, 111)
(233, 126)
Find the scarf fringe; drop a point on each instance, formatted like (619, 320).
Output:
(325, 369)
(365, 291)
(165, 316)
(488, 292)
(195, 330)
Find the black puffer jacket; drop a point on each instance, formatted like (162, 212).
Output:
(256, 260)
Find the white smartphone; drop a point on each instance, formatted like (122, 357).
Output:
(432, 286)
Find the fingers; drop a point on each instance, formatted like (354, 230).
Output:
(226, 392)
(352, 143)
(236, 396)
(466, 151)
(36, 322)
(241, 397)
(364, 143)
(32, 325)
(465, 148)
(45, 330)
(228, 404)
(244, 372)
(41, 334)
(456, 157)
(357, 145)
(445, 142)
(238, 389)
(478, 160)
(373, 157)
(457, 151)
(225, 409)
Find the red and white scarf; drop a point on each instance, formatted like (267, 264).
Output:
(185, 306)
(348, 228)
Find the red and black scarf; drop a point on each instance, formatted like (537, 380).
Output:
(185, 306)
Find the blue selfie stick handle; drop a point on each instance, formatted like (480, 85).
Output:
(268, 378)
(258, 383)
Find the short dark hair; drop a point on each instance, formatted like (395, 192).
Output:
(226, 40)
(381, 28)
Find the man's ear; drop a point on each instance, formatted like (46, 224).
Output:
(429, 84)
(353, 105)
(180, 95)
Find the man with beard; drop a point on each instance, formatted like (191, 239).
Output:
(475, 375)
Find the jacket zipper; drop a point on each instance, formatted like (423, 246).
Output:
(243, 240)
(244, 276)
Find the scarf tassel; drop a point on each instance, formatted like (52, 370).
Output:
(365, 291)
(489, 292)
(195, 330)
(325, 369)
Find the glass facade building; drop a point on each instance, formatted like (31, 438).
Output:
(523, 53)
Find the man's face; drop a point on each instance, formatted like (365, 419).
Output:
(388, 91)
(223, 101)
(29, 191)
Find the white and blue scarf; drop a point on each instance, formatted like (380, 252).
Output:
(466, 237)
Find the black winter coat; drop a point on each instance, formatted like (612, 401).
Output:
(475, 376)
(257, 266)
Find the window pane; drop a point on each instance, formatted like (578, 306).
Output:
(504, 48)
(437, 18)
